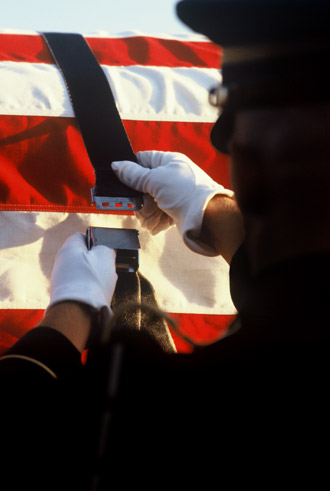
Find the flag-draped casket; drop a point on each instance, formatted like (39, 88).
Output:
(161, 86)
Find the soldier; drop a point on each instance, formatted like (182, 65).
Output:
(274, 123)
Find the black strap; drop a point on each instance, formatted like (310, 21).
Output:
(95, 109)
(106, 141)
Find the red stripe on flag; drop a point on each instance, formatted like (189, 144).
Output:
(15, 323)
(137, 50)
(201, 328)
(45, 166)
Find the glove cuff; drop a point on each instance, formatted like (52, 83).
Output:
(76, 295)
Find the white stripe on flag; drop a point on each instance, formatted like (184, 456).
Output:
(101, 33)
(141, 92)
(185, 282)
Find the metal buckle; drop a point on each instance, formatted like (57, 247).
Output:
(125, 241)
(132, 203)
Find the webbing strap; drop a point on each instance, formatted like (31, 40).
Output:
(98, 118)
(105, 140)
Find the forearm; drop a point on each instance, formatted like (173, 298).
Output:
(222, 226)
(72, 319)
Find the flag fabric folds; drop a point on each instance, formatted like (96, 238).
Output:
(161, 86)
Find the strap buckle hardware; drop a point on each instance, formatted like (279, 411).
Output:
(125, 241)
(131, 203)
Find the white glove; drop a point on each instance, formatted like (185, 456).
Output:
(177, 192)
(82, 275)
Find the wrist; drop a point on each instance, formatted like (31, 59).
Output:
(73, 319)
(222, 227)
(197, 228)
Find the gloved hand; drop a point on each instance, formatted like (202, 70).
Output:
(177, 192)
(82, 275)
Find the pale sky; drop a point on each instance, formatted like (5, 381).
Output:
(88, 16)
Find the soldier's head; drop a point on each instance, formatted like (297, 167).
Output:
(274, 106)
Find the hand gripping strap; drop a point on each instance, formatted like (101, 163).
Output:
(100, 124)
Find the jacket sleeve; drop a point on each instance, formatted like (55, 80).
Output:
(43, 353)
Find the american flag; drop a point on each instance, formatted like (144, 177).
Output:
(160, 84)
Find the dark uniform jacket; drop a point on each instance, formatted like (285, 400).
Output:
(251, 409)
